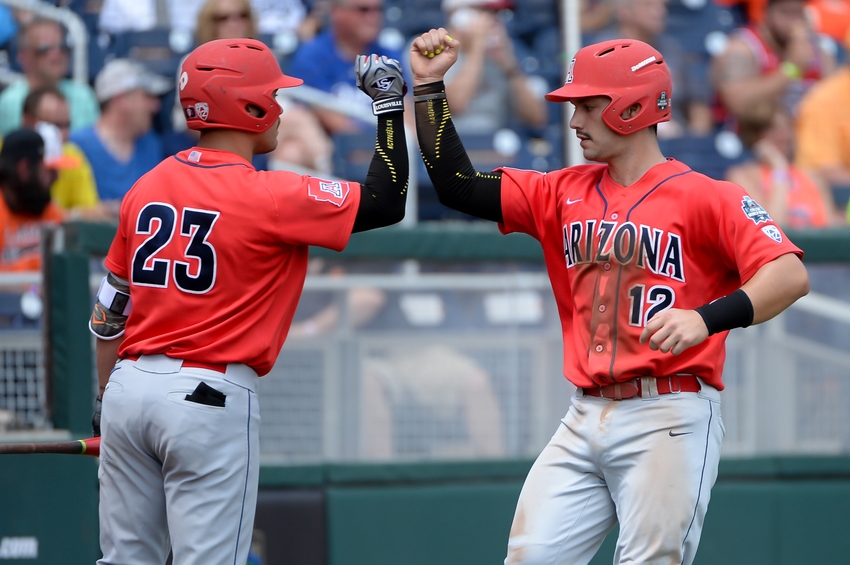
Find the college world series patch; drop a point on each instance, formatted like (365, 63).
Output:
(334, 192)
(754, 211)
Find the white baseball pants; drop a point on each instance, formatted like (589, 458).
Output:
(173, 466)
(647, 463)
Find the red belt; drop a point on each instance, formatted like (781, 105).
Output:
(217, 367)
(632, 388)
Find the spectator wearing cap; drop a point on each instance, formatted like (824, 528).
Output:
(43, 56)
(122, 146)
(487, 86)
(46, 110)
(25, 179)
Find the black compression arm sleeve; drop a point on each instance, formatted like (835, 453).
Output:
(457, 183)
(384, 194)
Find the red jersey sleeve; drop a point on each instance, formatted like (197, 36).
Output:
(313, 211)
(747, 237)
(116, 259)
(524, 194)
(531, 200)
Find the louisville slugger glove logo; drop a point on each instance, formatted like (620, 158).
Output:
(384, 84)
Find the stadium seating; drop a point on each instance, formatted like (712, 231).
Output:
(702, 153)
(695, 25)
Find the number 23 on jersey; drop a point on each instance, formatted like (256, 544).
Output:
(197, 273)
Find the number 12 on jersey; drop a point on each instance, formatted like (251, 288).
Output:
(646, 304)
(159, 221)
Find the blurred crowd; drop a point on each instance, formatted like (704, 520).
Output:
(759, 93)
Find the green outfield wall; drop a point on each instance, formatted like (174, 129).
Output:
(770, 511)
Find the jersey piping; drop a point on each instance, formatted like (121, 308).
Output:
(616, 328)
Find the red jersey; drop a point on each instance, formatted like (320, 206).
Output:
(618, 255)
(216, 255)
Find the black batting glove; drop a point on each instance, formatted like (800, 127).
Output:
(95, 420)
(380, 77)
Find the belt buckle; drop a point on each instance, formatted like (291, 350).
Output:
(678, 384)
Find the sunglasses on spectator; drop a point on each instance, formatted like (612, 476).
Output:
(42, 50)
(363, 10)
(219, 18)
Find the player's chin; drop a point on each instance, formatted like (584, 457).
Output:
(591, 155)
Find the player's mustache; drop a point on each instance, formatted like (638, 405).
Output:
(582, 134)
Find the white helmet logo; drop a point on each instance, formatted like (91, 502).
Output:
(203, 110)
(184, 80)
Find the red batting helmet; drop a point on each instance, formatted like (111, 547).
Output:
(627, 71)
(221, 78)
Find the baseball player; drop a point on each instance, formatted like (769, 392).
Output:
(205, 272)
(651, 264)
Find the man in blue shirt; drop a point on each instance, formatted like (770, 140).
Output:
(327, 62)
(122, 146)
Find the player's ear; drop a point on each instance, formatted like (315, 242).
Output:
(631, 111)
(255, 110)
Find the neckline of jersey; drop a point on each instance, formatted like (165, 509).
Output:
(652, 176)
(211, 158)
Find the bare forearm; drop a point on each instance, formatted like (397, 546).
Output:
(106, 354)
(742, 97)
(530, 107)
(465, 82)
(776, 286)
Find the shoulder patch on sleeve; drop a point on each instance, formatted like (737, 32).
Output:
(754, 211)
(331, 191)
(773, 233)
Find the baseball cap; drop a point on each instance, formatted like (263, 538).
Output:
(124, 75)
(449, 5)
(29, 144)
(54, 158)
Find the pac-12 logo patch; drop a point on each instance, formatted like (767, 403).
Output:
(773, 233)
(203, 110)
(334, 192)
(754, 211)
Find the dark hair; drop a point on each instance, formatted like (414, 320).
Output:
(33, 99)
(8, 170)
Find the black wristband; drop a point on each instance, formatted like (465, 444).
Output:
(731, 311)
(429, 88)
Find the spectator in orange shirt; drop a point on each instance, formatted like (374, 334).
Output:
(794, 198)
(823, 128)
(25, 207)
